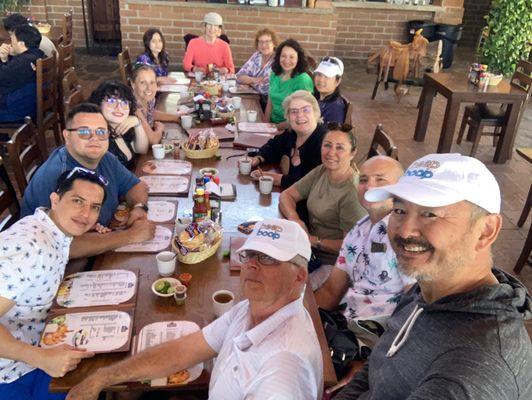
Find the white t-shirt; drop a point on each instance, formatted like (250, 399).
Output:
(33, 256)
(280, 358)
(368, 259)
(47, 47)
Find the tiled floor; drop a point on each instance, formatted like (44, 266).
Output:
(399, 119)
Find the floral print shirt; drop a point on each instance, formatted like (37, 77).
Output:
(253, 68)
(160, 70)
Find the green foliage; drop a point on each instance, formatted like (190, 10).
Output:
(12, 5)
(510, 34)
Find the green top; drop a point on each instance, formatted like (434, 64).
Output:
(279, 89)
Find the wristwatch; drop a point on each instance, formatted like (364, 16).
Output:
(318, 243)
(141, 205)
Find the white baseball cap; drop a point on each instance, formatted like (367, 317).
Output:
(278, 238)
(331, 67)
(213, 19)
(438, 180)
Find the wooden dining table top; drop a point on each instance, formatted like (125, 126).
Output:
(207, 276)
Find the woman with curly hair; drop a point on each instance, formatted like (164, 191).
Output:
(289, 73)
(127, 137)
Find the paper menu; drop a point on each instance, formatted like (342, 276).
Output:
(161, 332)
(176, 88)
(97, 331)
(257, 127)
(97, 288)
(161, 211)
(166, 184)
(167, 167)
(160, 241)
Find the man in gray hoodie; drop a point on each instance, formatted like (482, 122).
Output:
(458, 333)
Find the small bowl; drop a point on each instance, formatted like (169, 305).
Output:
(169, 148)
(208, 170)
(173, 283)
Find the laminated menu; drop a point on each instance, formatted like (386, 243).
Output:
(167, 167)
(257, 127)
(160, 332)
(97, 331)
(167, 184)
(161, 210)
(181, 87)
(97, 288)
(160, 241)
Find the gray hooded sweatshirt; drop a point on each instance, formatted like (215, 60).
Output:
(466, 346)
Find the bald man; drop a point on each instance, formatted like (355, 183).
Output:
(365, 276)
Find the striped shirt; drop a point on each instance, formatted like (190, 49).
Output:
(280, 358)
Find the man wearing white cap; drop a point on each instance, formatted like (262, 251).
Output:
(265, 347)
(458, 333)
(327, 78)
(209, 49)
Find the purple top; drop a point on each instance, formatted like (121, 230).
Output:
(252, 68)
(160, 70)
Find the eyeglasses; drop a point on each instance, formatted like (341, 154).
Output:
(265, 41)
(79, 171)
(296, 111)
(114, 102)
(85, 133)
(264, 259)
(335, 126)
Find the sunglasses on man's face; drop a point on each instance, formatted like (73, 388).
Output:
(85, 133)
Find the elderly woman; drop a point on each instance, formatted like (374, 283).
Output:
(256, 71)
(118, 108)
(209, 48)
(327, 78)
(155, 54)
(330, 191)
(296, 150)
(289, 73)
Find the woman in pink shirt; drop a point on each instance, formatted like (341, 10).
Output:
(209, 49)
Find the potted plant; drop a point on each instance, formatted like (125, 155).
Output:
(510, 35)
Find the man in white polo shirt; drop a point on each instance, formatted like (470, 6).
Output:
(266, 346)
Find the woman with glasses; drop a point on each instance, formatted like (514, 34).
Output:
(209, 48)
(331, 195)
(256, 71)
(155, 55)
(327, 78)
(127, 137)
(297, 149)
(289, 73)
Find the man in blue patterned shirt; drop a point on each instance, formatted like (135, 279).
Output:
(34, 253)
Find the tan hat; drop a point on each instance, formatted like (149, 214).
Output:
(213, 19)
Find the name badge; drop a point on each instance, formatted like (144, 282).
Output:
(378, 247)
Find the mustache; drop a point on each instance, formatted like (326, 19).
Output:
(399, 241)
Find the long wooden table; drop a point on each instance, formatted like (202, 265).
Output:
(208, 276)
(456, 88)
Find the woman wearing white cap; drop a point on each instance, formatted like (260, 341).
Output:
(209, 48)
(327, 78)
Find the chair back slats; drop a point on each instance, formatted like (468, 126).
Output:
(522, 77)
(47, 99)
(74, 98)
(9, 205)
(382, 144)
(126, 67)
(67, 27)
(25, 155)
(65, 64)
(70, 82)
(348, 112)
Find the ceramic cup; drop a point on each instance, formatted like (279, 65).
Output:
(222, 301)
(198, 75)
(244, 166)
(252, 116)
(166, 263)
(237, 102)
(186, 121)
(265, 184)
(225, 86)
(158, 151)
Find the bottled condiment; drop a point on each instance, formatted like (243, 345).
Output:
(207, 204)
(200, 210)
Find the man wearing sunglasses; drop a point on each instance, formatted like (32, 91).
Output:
(86, 144)
(32, 264)
(265, 346)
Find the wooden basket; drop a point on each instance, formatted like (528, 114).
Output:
(198, 154)
(198, 256)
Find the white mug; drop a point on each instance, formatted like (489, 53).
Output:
(165, 263)
(244, 166)
(222, 301)
(199, 76)
(252, 116)
(237, 102)
(225, 86)
(158, 151)
(186, 121)
(265, 184)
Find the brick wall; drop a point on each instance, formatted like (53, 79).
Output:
(474, 12)
(453, 11)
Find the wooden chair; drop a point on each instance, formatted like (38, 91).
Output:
(74, 98)
(9, 205)
(126, 67)
(524, 257)
(67, 27)
(70, 82)
(47, 100)
(480, 116)
(382, 144)
(348, 112)
(66, 63)
(25, 155)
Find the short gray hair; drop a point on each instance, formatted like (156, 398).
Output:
(477, 212)
(305, 96)
(299, 261)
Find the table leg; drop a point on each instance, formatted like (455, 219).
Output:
(427, 96)
(449, 125)
(503, 152)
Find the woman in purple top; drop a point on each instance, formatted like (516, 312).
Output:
(155, 54)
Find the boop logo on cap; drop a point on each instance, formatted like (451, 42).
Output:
(422, 169)
(270, 230)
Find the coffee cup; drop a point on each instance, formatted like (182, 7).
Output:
(222, 301)
(244, 166)
(158, 151)
(198, 75)
(225, 86)
(237, 102)
(186, 121)
(252, 116)
(265, 184)
(165, 263)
